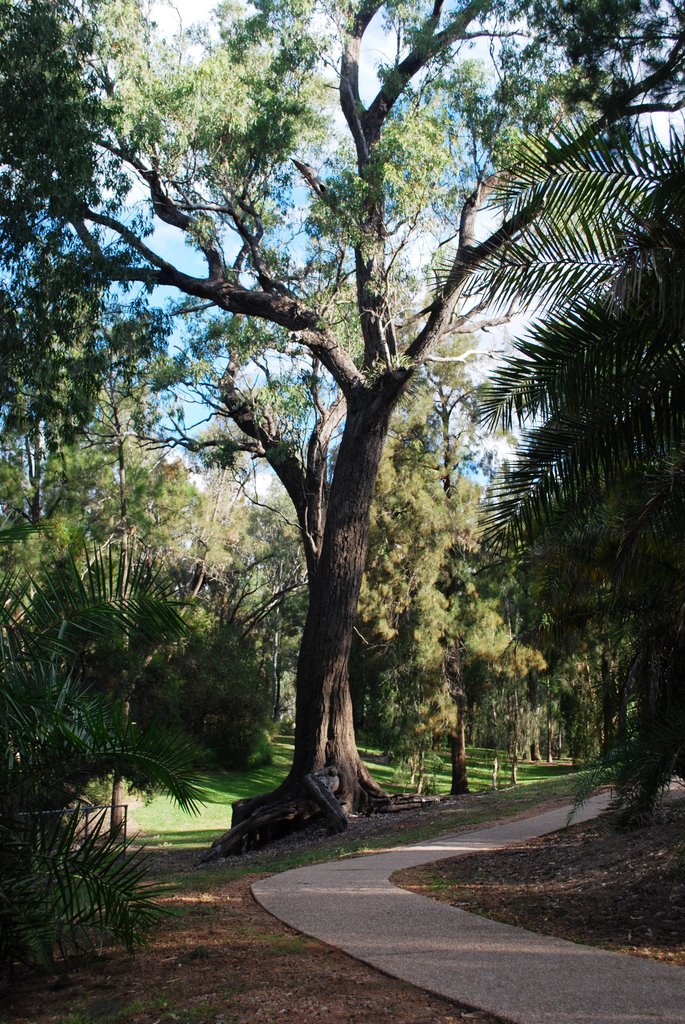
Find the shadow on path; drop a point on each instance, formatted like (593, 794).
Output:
(507, 971)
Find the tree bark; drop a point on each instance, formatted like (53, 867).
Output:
(324, 730)
(550, 725)
(117, 812)
(460, 782)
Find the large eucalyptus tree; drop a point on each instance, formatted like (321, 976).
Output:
(312, 192)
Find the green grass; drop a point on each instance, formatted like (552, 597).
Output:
(479, 764)
(488, 808)
(165, 825)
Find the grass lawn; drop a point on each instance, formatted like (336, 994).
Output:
(479, 764)
(163, 822)
(165, 825)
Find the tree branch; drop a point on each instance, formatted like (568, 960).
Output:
(465, 356)
(622, 103)
(277, 452)
(350, 102)
(167, 210)
(431, 44)
(125, 233)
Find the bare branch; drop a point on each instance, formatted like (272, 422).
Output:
(350, 102)
(125, 233)
(465, 356)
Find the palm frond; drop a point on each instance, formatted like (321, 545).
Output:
(69, 603)
(589, 210)
(80, 887)
(599, 395)
(640, 769)
(58, 888)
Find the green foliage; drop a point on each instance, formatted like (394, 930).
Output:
(318, 279)
(596, 481)
(61, 889)
(50, 291)
(70, 605)
(640, 768)
(48, 160)
(415, 591)
(402, 611)
(223, 698)
(602, 376)
(604, 39)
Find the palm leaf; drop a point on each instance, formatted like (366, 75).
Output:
(71, 603)
(59, 890)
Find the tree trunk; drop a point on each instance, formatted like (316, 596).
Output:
(421, 769)
(324, 731)
(34, 448)
(495, 772)
(276, 669)
(460, 783)
(117, 812)
(608, 705)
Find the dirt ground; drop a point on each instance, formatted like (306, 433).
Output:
(590, 883)
(223, 960)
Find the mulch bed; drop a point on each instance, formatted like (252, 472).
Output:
(590, 883)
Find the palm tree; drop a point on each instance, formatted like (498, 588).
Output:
(597, 392)
(61, 889)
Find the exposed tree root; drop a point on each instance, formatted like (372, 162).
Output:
(261, 819)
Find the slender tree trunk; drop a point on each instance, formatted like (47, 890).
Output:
(608, 704)
(550, 725)
(421, 769)
(534, 697)
(34, 448)
(117, 814)
(514, 733)
(495, 772)
(276, 669)
(460, 783)
(118, 793)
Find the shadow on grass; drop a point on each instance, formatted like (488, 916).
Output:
(197, 839)
(225, 787)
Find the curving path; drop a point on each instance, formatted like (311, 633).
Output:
(511, 973)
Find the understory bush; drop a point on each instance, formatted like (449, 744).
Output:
(63, 888)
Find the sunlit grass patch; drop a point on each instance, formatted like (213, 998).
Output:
(165, 826)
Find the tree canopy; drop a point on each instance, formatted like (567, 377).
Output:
(318, 220)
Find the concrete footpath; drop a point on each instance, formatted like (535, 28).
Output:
(512, 973)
